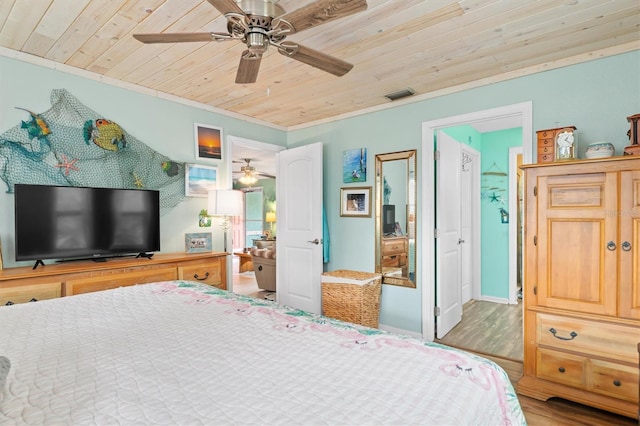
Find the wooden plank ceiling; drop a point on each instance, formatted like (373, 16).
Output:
(429, 46)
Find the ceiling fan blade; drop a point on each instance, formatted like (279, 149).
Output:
(226, 6)
(315, 58)
(320, 12)
(181, 37)
(267, 175)
(248, 68)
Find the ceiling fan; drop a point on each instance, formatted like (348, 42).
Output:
(260, 23)
(249, 173)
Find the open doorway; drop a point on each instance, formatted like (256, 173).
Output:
(259, 201)
(513, 116)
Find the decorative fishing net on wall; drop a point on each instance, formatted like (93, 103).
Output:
(72, 145)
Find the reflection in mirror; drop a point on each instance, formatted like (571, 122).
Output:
(396, 217)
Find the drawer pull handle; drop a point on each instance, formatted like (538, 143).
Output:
(206, 275)
(617, 382)
(9, 303)
(33, 299)
(611, 246)
(626, 246)
(573, 334)
(561, 369)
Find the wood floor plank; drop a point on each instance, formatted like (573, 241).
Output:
(491, 328)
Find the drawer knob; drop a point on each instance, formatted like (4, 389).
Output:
(617, 382)
(206, 275)
(553, 331)
(561, 369)
(260, 268)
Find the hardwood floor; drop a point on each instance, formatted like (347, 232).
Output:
(491, 328)
(245, 283)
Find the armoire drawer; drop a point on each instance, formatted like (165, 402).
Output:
(597, 338)
(561, 367)
(618, 381)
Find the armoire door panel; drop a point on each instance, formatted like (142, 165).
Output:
(578, 192)
(629, 217)
(577, 270)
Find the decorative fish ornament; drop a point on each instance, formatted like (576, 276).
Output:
(105, 134)
(171, 168)
(36, 127)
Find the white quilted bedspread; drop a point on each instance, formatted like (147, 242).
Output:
(182, 353)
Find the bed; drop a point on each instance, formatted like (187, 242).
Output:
(180, 352)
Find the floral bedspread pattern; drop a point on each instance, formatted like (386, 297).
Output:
(181, 352)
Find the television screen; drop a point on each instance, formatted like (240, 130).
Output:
(64, 222)
(388, 219)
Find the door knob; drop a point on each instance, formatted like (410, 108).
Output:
(316, 241)
(626, 246)
(611, 246)
(460, 241)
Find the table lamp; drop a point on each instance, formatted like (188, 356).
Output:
(225, 203)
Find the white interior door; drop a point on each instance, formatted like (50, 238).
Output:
(470, 223)
(299, 242)
(448, 243)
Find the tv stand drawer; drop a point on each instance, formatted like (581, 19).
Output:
(115, 280)
(30, 293)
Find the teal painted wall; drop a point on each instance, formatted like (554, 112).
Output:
(595, 96)
(494, 250)
(163, 125)
(494, 235)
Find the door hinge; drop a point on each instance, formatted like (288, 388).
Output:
(436, 233)
(535, 240)
(535, 290)
(436, 155)
(535, 191)
(436, 311)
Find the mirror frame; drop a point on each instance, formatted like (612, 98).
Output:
(410, 156)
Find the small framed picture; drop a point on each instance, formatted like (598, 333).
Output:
(199, 242)
(208, 142)
(354, 165)
(199, 180)
(355, 202)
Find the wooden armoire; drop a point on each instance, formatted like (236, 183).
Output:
(582, 282)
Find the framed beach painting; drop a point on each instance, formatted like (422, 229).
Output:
(355, 202)
(208, 142)
(354, 165)
(199, 180)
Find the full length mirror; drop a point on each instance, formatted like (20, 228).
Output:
(396, 217)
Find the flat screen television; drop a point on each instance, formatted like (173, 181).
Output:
(388, 219)
(65, 222)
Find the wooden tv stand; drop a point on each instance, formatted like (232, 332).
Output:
(24, 284)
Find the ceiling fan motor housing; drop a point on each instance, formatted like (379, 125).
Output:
(268, 8)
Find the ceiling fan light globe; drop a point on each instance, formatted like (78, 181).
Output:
(247, 179)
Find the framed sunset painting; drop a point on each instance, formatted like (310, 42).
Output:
(208, 142)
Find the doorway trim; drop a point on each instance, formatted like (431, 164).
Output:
(514, 206)
(523, 111)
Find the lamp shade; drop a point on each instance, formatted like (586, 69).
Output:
(225, 202)
(271, 217)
